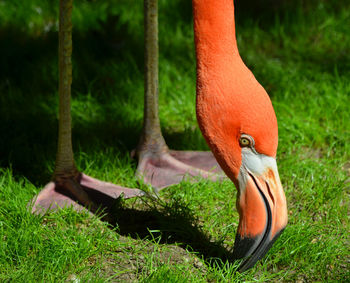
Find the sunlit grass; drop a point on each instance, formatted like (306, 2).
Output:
(300, 54)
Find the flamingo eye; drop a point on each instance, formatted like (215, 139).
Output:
(246, 141)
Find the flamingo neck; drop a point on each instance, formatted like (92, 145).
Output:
(229, 100)
(219, 69)
(214, 28)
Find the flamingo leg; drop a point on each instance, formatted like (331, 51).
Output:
(158, 165)
(69, 187)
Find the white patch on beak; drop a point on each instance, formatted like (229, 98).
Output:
(254, 163)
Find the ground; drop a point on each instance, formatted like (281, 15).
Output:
(299, 51)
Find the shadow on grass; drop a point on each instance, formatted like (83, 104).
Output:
(170, 223)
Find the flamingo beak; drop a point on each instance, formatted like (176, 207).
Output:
(262, 208)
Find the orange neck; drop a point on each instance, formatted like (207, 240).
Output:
(214, 29)
(230, 101)
(217, 58)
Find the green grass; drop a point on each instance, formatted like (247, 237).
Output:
(298, 50)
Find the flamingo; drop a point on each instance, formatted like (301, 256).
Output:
(237, 119)
(234, 113)
(158, 166)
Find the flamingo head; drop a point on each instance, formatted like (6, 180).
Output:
(240, 126)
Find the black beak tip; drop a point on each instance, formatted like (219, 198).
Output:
(252, 249)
